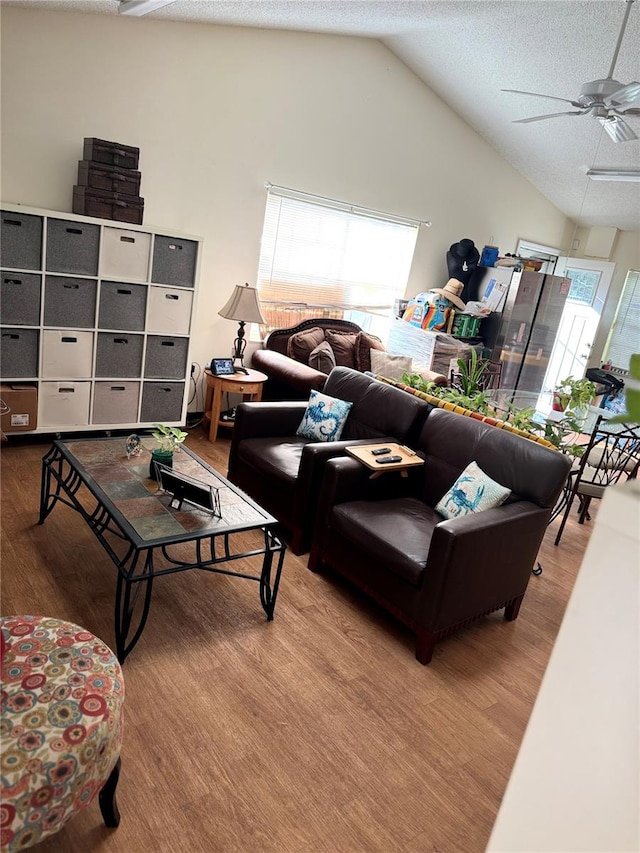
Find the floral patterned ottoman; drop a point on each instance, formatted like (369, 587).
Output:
(61, 730)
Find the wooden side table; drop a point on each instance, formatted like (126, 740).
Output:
(249, 385)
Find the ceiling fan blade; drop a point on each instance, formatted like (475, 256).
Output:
(538, 95)
(550, 115)
(627, 96)
(617, 128)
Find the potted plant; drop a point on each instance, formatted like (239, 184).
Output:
(169, 439)
(573, 395)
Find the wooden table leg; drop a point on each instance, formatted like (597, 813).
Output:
(216, 407)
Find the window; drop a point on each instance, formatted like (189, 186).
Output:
(625, 332)
(547, 254)
(584, 284)
(324, 259)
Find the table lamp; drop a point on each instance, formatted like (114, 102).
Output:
(244, 307)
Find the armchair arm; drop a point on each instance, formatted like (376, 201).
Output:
(480, 561)
(267, 420)
(288, 371)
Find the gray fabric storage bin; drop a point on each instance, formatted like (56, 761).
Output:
(161, 402)
(166, 357)
(119, 354)
(19, 353)
(20, 298)
(69, 302)
(122, 306)
(72, 247)
(174, 261)
(21, 241)
(115, 402)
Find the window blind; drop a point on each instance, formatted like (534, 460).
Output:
(317, 260)
(624, 339)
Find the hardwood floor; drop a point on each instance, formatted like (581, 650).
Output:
(316, 733)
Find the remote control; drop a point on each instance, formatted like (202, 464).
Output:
(380, 451)
(388, 459)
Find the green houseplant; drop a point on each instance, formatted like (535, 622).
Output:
(169, 439)
(573, 394)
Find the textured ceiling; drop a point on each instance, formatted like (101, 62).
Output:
(467, 51)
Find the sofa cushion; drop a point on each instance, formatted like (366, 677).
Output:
(322, 358)
(301, 345)
(343, 345)
(324, 418)
(390, 366)
(364, 344)
(274, 457)
(397, 533)
(473, 491)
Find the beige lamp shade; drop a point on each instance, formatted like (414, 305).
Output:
(243, 305)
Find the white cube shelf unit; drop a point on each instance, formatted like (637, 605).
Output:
(97, 318)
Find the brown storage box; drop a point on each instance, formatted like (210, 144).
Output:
(89, 201)
(23, 404)
(111, 179)
(111, 153)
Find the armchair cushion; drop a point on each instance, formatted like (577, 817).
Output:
(473, 491)
(397, 531)
(324, 418)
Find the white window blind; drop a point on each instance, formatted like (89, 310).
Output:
(624, 339)
(320, 260)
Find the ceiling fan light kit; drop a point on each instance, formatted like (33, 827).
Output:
(607, 100)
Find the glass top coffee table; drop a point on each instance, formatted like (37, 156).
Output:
(145, 536)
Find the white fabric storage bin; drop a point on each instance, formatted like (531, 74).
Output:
(67, 352)
(125, 254)
(169, 310)
(64, 404)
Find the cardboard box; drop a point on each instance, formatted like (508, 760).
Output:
(22, 400)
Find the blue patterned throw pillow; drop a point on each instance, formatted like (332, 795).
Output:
(324, 418)
(473, 491)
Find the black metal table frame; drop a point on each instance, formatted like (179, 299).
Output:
(136, 569)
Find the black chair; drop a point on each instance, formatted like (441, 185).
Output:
(612, 454)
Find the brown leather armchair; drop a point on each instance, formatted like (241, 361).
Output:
(283, 471)
(437, 575)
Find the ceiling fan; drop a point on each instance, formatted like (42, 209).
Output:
(606, 100)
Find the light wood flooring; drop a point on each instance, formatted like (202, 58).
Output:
(316, 733)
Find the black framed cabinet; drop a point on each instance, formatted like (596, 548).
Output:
(95, 321)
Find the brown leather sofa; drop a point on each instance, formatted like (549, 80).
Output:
(283, 471)
(438, 575)
(284, 358)
(289, 377)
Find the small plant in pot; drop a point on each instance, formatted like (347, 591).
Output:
(573, 394)
(169, 439)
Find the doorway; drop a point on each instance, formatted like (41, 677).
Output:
(571, 352)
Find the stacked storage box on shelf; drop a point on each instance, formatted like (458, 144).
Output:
(95, 319)
(108, 182)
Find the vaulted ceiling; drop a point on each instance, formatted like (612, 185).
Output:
(467, 51)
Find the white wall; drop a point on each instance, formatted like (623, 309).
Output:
(217, 111)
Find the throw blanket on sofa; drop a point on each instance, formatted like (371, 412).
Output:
(460, 410)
